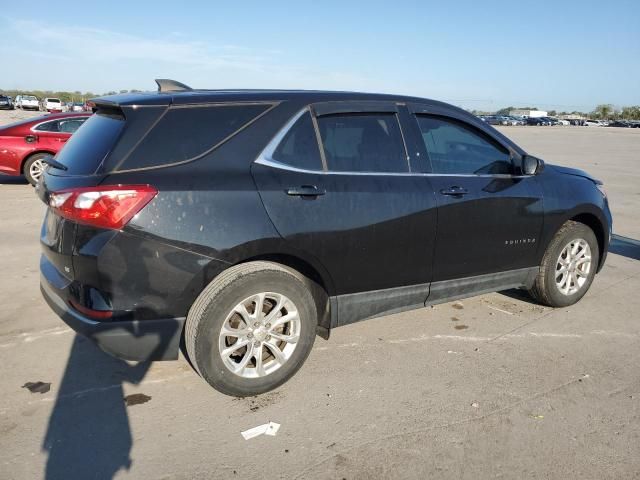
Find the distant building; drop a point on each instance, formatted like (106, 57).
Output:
(572, 116)
(528, 113)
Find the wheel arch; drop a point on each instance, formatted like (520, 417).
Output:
(320, 284)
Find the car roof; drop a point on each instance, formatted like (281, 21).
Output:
(252, 95)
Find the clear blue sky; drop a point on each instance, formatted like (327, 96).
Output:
(478, 54)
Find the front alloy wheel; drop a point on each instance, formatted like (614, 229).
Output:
(573, 266)
(568, 266)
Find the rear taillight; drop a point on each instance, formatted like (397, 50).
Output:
(97, 314)
(109, 206)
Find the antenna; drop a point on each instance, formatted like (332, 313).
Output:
(167, 85)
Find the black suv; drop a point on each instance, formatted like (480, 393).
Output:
(241, 223)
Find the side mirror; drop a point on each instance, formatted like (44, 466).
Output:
(531, 165)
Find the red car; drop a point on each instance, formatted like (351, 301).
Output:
(23, 145)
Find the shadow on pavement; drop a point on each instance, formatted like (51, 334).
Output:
(519, 294)
(88, 434)
(11, 180)
(625, 246)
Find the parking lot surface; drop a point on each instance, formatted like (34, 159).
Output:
(491, 387)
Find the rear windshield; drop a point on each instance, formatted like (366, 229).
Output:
(29, 97)
(53, 100)
(90, 144)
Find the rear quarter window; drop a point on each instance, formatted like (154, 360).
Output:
(185, 133)
(53, 126)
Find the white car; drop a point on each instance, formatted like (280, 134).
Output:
(27, 102)
(592, 123)
(563, 122)
(50, 104)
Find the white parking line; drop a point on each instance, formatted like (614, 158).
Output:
(466, 338)
(499, 310)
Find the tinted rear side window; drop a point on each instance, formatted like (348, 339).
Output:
(369, 142)
(86, 148)
(299, 147)
(184, 133)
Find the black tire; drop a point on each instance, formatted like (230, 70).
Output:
(545, 288)
(212, 307)
(27, 167)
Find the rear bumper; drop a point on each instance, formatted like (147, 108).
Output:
(131, 340)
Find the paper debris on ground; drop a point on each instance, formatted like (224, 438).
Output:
(270, 429)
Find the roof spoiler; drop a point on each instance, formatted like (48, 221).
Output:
(166, 85)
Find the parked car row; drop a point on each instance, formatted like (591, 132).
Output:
(551, 121)
(625, 123)
(48, 104)
(503, 120)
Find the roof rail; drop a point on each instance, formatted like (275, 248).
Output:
(166, 85)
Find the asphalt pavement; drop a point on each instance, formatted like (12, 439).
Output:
(491, 387)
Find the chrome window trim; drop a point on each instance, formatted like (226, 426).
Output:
(269, 162)
(34, 128)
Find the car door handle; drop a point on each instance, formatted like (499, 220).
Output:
(454, 191)
(305, 191)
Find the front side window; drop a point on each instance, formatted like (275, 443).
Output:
(299, 147)
(363, 142)
(456, 148)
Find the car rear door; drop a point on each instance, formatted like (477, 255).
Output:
(490, 216)
(47, 135)
(339, 186)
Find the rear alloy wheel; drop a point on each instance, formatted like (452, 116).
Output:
(34, 167)
(568, 266)
(251, 328)
(259, 335)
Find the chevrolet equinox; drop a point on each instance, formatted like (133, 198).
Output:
(240, 224)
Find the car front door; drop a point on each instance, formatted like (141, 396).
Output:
(338, 184)
(490, 216)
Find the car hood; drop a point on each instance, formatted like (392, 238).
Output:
(574, 171)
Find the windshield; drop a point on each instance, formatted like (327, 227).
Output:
(53, 100)
(29, 97)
